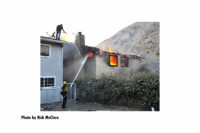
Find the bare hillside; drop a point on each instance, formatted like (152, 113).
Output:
(142, 39)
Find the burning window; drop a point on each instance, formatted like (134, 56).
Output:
(113, 60)
(124, 62)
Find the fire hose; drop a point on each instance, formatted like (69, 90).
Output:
(82, 64)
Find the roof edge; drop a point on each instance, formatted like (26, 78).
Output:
(52, 40)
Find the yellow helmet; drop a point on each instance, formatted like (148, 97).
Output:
(64, 82)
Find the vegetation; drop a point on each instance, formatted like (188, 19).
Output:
(141, 90)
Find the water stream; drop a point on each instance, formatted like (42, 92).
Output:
(77, 50)
(82, 64)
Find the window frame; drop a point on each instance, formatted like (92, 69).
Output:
(127, 61)
(49, 87)
(49, 50)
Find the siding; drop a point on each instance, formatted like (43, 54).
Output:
(52, 66)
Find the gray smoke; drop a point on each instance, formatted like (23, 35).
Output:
(72, 61)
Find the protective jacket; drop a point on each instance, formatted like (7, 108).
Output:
(65, 90)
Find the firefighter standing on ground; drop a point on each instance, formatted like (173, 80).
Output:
(58, 31)
(64, 93)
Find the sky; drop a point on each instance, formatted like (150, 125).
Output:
(97, 20)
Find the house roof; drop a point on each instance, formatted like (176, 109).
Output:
(100, 52)
(49, 40)
(92, 49)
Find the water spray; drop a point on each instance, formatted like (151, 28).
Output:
(82, 64)
(77, 50)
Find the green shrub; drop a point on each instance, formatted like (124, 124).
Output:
(147, 89)
(140, 90)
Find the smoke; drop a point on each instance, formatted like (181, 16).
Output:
(72, 61)
(81, 66)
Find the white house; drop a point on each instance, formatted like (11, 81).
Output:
(51, 69)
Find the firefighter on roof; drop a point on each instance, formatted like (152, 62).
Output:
(59, 28)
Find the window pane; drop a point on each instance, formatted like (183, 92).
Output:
(124, 62)
(51, 82)
(45, 82)
(41, 82)
(44, 50)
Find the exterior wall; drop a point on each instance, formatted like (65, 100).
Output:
(89, 68)
(103, 68)
(52, 66)
(97, 66)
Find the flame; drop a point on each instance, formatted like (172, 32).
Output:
(111, 51)
(90, 55)
(113, 60)
(63, 37)
(108, 49)
(67, 37)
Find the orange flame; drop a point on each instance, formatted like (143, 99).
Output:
(108, 49)
(63, 37)
(111, 51)
(90, 55)
(113, 60)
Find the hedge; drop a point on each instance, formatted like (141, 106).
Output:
(140, 90)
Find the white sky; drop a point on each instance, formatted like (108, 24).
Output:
(97, 20)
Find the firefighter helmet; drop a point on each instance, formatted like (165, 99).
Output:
(64, 82)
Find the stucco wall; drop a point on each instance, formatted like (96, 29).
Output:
(52, 66)
(103, 68)
(89, 68)
(97, 66)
